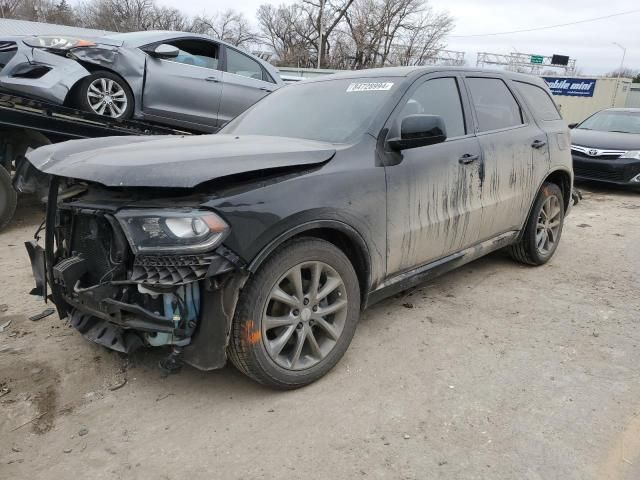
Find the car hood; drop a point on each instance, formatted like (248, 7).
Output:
(174, 161)
(605, 140)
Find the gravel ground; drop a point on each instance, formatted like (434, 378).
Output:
(495, 371)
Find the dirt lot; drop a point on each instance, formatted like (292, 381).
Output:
(494, 371)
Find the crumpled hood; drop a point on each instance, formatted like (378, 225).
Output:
(174, 161)
(605, 140)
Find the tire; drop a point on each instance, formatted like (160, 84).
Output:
(254, 340)
(8, 198)
(118, 105)
(529, 250)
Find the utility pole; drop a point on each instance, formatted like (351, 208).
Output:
(615, 92)
(320, 39)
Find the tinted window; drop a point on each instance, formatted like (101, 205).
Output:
(196, 52)
(494, 104)
(613, 121)
(240, 64)
(539, 101)
(439, 96)
(333, 111)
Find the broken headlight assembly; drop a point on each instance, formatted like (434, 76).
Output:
(172, 231)
(57, 42)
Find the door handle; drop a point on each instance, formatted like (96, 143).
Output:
(468, 158)
(212, 79)
(265, 89)
(538, 143)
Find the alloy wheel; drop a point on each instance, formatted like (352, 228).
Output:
(548, 225)
(304, 315)
(107, 97)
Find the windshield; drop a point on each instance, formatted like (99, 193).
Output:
(613, 121)
(332, 111)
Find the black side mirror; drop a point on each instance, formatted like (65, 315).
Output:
(419, 131)
(164, 51)
(573, 125)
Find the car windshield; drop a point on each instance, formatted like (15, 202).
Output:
(613, 121)
(334, 111)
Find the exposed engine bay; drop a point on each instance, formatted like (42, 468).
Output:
(117, 275)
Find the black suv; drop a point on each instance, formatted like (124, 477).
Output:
(264, 242)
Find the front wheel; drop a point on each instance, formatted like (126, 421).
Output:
(105, 93)
(542, 232)
(297, 315)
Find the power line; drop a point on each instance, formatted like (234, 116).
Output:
(548, 26)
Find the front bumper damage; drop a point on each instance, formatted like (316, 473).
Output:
(125, 301)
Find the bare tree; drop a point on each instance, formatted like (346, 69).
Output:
(287, 31)
(8, 8)
(229, 26)
(325, 16)
(395, 32)
(624, 72)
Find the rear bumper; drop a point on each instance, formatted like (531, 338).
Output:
(619, 171)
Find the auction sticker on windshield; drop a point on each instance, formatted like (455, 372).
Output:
(369, 87)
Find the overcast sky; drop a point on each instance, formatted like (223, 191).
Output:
(590, 43)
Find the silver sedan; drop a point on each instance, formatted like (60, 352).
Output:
(180, 79)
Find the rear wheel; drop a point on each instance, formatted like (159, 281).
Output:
(8, 198)
(542, 232)
(297, 315)
(105, 93)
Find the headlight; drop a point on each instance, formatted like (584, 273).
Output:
(634, 154)
(165, 231)
(57, 42)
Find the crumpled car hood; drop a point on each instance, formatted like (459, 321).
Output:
(174, 161)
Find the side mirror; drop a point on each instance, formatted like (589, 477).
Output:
(164, 51)
(573, 125)
(419, 131)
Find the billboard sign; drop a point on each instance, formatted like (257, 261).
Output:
(571, 87)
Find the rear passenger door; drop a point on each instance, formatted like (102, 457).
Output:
(433, 193)
(548, 117)
(509, 139)
(245, 82)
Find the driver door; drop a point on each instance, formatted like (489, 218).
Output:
(433, 192)
(184, 90)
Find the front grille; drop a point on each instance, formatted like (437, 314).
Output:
(598, 174)
(91, 237)
(584, 156)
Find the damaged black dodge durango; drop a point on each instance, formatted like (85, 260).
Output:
(263, 243)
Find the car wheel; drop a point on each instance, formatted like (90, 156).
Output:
(105, 93)
(8, 198)
(543, 229)
(297, 315)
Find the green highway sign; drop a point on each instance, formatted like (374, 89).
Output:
(537, 59)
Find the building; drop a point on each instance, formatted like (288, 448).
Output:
(580, 97)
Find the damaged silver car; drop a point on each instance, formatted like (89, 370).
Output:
(174, 78)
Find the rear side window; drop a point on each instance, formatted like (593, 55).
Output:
(539, 101)
(494, 103)
(240, 64)
(439, 96)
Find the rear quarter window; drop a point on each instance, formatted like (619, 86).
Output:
(542, 105)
